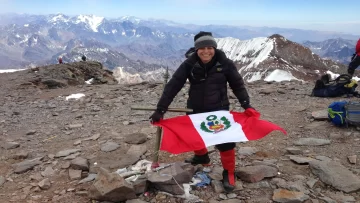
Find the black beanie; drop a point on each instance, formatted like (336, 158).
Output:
(204, 39)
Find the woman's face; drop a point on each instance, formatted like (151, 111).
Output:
(206, 54)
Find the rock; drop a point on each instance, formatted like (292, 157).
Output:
(339, 197)
(94, 137)
(322, 158)
(45, 184)
(65, 165)
(111, 187)
(26, 165)
(311, 182)
(135, 201)
(246, 151)
(77, 142)
(164, 179)
(10, 145)
(294, 150)
(49, 171)
(31, 132)
(116, 162)
(256, 173)
(90, 177)
(301, 160)
(335, 136)
(66, 152)
(72, 156)
(336, 175)
(216, 173)
(222, 196)
(80, 163)
(296, 186)
(135, 138)
(74, 174)
(73, 126)
(231, 195)
(257, 185)
(352, 159)
(267, 90)
(81, 193)
(148, 131)
(217, 186)
(231, 201)
(320, 115)
(286, 196)
(137, 150)
(327, 200)
(312, 142)
(53, 83)
(255, 163)
(109, 146)
(20, 155)
(140, 185)
(2, 181)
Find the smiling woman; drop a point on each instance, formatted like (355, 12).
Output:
(208, 71)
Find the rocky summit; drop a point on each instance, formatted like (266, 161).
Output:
(66, 139)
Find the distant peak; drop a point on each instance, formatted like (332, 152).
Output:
(277, 36)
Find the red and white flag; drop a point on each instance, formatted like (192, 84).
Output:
(197, 131)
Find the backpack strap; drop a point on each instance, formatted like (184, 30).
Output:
(332, 114)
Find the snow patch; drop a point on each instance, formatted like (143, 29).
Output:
(90, 81)
(252, 51)
(10, 70)
(57, 18)
(335, 75)
(75, 96)
(91, 20)
(254, 76)
(280, 75)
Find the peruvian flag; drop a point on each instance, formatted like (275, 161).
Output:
(197, 131)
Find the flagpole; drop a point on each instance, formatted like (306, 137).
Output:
(154, 108)
(155, 163)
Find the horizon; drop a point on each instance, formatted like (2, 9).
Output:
(319, 16)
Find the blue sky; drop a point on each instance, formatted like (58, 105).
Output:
(330, 15)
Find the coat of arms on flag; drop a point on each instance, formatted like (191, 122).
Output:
(215, 125)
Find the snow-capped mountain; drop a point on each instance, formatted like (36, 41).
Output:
(53, 32)
(337, 49)
(264, 58)
(141, 49)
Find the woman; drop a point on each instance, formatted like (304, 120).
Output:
(208, 71)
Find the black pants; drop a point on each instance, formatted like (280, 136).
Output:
(221, 147)
(355, 62)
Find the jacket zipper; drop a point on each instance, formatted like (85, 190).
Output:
(204, 86)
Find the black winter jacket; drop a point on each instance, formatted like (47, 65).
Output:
(208, 84)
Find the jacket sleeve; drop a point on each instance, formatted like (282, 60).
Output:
(237, 85)
(171, 89)
(357, 49)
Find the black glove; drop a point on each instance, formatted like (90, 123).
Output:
(156, 116)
